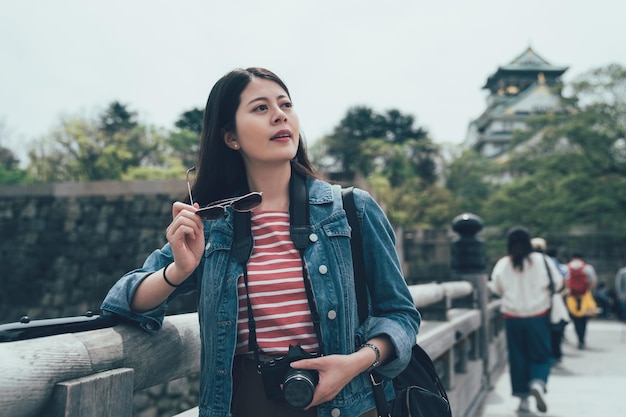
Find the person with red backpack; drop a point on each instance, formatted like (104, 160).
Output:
(580, 302)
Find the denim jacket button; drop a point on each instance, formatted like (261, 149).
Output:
(335, 412)
(332, 314)
(313, 237)
(150, 326)
(323, 269)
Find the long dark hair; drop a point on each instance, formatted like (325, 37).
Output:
(518, 246)
(220, 170)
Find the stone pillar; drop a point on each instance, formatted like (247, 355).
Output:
(468, 252)
(468, 264)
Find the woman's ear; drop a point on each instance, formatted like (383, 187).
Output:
(231, 140)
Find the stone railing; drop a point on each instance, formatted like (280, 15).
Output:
(80, 374)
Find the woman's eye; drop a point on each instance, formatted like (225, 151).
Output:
(287, 104)
(261, 107)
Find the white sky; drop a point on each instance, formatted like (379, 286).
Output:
(425, 58)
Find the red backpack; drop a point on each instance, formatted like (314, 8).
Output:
(577, 280)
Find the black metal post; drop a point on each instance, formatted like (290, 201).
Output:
(468, 264)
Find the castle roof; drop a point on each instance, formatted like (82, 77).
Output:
(527, 64)
(534, 100)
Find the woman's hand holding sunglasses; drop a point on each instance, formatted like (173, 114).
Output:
(185, 235)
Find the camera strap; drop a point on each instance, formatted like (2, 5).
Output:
(299, 230)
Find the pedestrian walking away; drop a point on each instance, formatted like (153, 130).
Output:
(580, 302)
(521, 279)
(556, 332)
(265, 242)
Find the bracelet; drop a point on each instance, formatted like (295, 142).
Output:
(376, 351)
(167, 280)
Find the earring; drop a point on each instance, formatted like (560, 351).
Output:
(236, 146)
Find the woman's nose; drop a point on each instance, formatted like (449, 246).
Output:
(280, 116)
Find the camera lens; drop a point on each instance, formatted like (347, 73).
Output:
(298, 387)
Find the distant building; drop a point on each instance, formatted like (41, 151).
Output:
(528, 86)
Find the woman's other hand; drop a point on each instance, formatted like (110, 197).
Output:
(185, 235)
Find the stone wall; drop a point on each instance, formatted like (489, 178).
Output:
(427, 255)
(62, 246)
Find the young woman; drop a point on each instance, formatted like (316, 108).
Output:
(287, 292)
(521, 278)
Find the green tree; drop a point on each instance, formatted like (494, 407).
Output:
(105, 149)
(185, 140)
(8, 160)
(365, 142)
(470, 178)
(396, 158)
(10, 172)
(415, 204)
(117, 118)
(572, 172)
(359, 124)
(346, 145)
(191, 120)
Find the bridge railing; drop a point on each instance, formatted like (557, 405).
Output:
(84, 373)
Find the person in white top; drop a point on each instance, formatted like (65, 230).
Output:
(521, 279)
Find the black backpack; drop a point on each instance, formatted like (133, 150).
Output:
(419, 391)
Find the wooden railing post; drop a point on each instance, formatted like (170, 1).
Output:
(31, 369)
(104, 394)
(437, 311)
(479, 281)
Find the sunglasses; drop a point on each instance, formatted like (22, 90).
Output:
(217, 209)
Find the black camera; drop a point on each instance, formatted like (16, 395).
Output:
(284, 383)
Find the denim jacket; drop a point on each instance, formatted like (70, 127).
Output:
(329, 263)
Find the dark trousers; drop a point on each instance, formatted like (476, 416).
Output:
(528, 344)
(557, 340)
(580, 325)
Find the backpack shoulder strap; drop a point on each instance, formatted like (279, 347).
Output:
(360, 285)
(551, 285)
(356, 247)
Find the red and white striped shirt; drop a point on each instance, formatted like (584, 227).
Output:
(277, 294)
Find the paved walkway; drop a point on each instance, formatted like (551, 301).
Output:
(587, 383)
